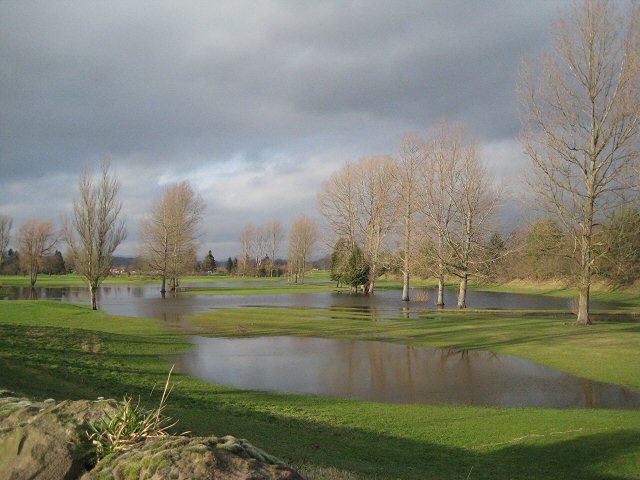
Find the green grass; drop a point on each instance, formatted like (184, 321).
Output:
(66, 351)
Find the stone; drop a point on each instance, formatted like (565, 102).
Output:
(193, 458)
(48, 441)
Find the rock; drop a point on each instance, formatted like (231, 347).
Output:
(193, 458)
(48, 440)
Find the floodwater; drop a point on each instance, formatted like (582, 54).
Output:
(393, 373)
(145, 300)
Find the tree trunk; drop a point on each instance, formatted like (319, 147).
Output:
(369, 287)
(585, 287)
(462, 292)
(405, 286)
(372, 276)
(440, 302)
(407, 243)
(163, 289)
(94, 303)
(585, 264)
(583, 306)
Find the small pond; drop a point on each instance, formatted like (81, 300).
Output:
(393, 373)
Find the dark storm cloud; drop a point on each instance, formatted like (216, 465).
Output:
(165, 88)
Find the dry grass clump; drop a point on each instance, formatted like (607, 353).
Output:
(311, 472)
(130, 424)
(420, 295)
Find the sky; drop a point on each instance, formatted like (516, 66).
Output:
(255, 103)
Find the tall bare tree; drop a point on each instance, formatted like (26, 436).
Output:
(440, 175)
(476, 199)
(260, 246)
(303, 236)
(5, 235)
(35, 239)
(96, 227)
(246, 247)
(275, 234)
(359, 204)
(170, 232)
(187, 209)
(337, 203)
(459, 199)
(581, 112)
(410, 164)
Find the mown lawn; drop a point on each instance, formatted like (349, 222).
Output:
(66, 351)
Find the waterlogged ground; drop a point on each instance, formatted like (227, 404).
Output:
(370, 370)
(56, 349)
(145, 300)
(392, 373)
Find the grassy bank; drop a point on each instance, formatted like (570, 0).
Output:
(66, 351)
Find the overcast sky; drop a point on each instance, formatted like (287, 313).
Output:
(256, 103)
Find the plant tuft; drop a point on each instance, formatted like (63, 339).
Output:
(131, 424)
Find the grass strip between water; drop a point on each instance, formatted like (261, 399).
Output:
(66, 351)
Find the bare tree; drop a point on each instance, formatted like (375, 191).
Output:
(5, 235)
(376, 202)
(406, 176)
(96, 227)
(581, 110)
(302, 238)
(359, 204)
(476, 200)
(260, 246)
(337, 203)
(246, 247)
(186, 213)
(35, 239)
(170, 232)
(275, 235)
(459, 200)
(440, 175)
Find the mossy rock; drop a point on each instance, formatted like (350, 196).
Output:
(46, 440)
(196, 458)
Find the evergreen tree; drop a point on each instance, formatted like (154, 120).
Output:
(209, 263)
(356, 272)
(11, 266)
(339, 258)
(54, 264)
(229, 266)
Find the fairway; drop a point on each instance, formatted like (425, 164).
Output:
(66, 351)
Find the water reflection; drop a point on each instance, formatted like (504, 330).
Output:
(392, 373)
(145, 301)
